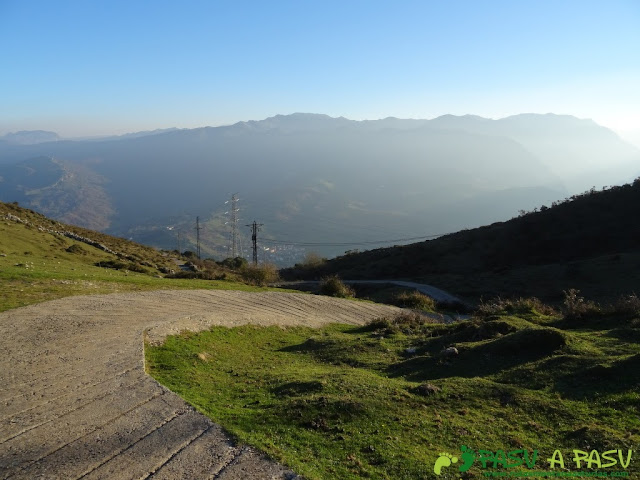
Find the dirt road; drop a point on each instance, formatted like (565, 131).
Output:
(75, 401)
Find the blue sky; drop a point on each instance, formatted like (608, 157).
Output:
(89, 67)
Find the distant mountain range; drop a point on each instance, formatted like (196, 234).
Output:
(29, 137)
(314, 179)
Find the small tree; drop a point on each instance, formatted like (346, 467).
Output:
(312, 260)
(236, 263)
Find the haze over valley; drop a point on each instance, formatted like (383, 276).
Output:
(340, 126)
(313, 179)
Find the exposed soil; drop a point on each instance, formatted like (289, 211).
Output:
(76, 402)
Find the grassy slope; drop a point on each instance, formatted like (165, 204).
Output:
(591, 243)
(36, 265)
(343, 401)
(345, 396)
(129, 250)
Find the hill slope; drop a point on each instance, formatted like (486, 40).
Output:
(42, 259)
(591, 242)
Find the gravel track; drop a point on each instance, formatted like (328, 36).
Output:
(76, 402)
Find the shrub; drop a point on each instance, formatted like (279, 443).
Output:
(236, 263)
(500, 306)
(115, 264)
(425, 390)
(627, 305)
(118, 265)
(538, 341)
(134, 267)
(334, 287)
(407, 322)
(259, 275)
(312, 260)
(576, 306)
(77, 249)
(416, 300)
(200, 275)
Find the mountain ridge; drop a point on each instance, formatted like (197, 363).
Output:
(433, 171)
(29, 137)
(315, 116)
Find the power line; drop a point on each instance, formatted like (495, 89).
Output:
(272, 241)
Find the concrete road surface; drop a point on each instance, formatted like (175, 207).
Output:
(75, 401)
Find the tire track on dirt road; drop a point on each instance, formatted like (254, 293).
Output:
(76, 402)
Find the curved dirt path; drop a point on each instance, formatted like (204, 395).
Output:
(75, 401)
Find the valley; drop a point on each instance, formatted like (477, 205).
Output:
(351, 388)
(314, 181)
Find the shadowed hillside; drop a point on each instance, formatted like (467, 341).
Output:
(590, 241)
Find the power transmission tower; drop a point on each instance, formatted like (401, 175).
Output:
(234, 225)
(198, 228)
(255, 228)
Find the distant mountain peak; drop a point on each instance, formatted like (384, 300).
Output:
(296, 122)
(30, 137)
(146, 133)
(466, 116)
(548, 118)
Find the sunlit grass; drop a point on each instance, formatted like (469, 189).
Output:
(36, 266)
(352, 402)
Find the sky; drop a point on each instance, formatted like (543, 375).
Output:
(83, 68)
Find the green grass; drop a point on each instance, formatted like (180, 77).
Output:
(346, 402)
(352, 402)
(36, 265)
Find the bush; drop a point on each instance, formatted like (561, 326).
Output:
(537, 341)
(236, 263)
(409, 322)
(576, 306)
(200, 275)
(77, 249)
(312, 260)
(118, 265)
(259, 275)
(332, 286)
(519, 306)
(627, 305)
(134, 267)
(416, 300)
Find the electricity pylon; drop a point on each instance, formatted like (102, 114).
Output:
(255, 228)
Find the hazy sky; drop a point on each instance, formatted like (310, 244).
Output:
(100, 67)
